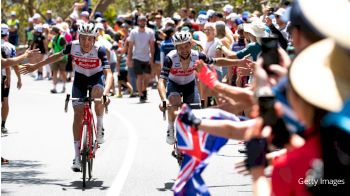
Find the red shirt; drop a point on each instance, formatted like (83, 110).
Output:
(289, 171)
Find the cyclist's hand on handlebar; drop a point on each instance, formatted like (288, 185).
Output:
(106, 103)
(161, 107)
(187, 117)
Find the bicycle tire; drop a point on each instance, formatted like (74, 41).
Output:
(90, 161)
(84, 154)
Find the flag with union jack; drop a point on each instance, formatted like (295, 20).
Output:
(197, 147)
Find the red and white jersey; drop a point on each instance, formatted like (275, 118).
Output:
(172, 68)
(89, 63)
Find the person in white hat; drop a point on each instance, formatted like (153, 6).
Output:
(40, 42)
(84, 16)
(228, 9)
(36, 19)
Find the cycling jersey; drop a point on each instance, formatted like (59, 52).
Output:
(89, 63)
(9, 51)
(173, 70)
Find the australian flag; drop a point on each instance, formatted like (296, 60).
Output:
(197, 147)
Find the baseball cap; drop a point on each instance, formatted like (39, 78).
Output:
(36, 16)
(98, 14)
(84, 13)
(4, 29)
(13, 13)
(232, 17)
(142, 17)
(202, 12)
(228, 8)
(280, 12)
(202, 19)
(99, 26)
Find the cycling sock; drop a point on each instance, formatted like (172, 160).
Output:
(77, 149)
(170, 125)
(3, 123)
(99, 123)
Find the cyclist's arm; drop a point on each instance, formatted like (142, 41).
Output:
(164, 74)
(102, 55)
(55, 57)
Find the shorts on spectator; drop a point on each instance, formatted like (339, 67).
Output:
(59, 66)
(141, 67)
(123, 76)
(113, 67)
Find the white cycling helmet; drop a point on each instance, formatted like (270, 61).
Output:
(88, 29)
(181, 37)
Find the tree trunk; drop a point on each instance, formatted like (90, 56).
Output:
(169, 9)
(101, 6)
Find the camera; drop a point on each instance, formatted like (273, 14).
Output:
(269, 52)
(280, 132)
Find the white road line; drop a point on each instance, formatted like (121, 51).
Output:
(119, 181)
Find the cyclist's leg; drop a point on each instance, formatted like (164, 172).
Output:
(78, 91)
(173, 95)
(191, 93)
(97, 83)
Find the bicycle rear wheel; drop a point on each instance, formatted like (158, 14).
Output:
(84, 153)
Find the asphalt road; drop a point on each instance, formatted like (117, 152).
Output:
(134, 160)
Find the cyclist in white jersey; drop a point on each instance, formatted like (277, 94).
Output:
(91, 67)
(178, 76)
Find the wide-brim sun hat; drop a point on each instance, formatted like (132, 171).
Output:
(256, 28)
(329, 17)
(320, 75)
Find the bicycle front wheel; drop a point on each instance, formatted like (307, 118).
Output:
(90, 160)
(84, 153)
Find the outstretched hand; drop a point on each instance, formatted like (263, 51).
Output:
(26, 68)
(32, 53)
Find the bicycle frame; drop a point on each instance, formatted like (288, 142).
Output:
(88, 120)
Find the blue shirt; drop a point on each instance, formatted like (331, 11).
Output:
(165, 47)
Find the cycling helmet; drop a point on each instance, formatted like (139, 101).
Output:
(88, 29)
(181, 38)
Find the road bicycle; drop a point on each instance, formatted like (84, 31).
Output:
(176, 152)
(88, 133)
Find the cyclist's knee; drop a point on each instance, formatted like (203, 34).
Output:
(78, 111)
(175, 99)
(97, 91)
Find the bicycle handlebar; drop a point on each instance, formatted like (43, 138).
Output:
(191, 105)
(86, 99)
